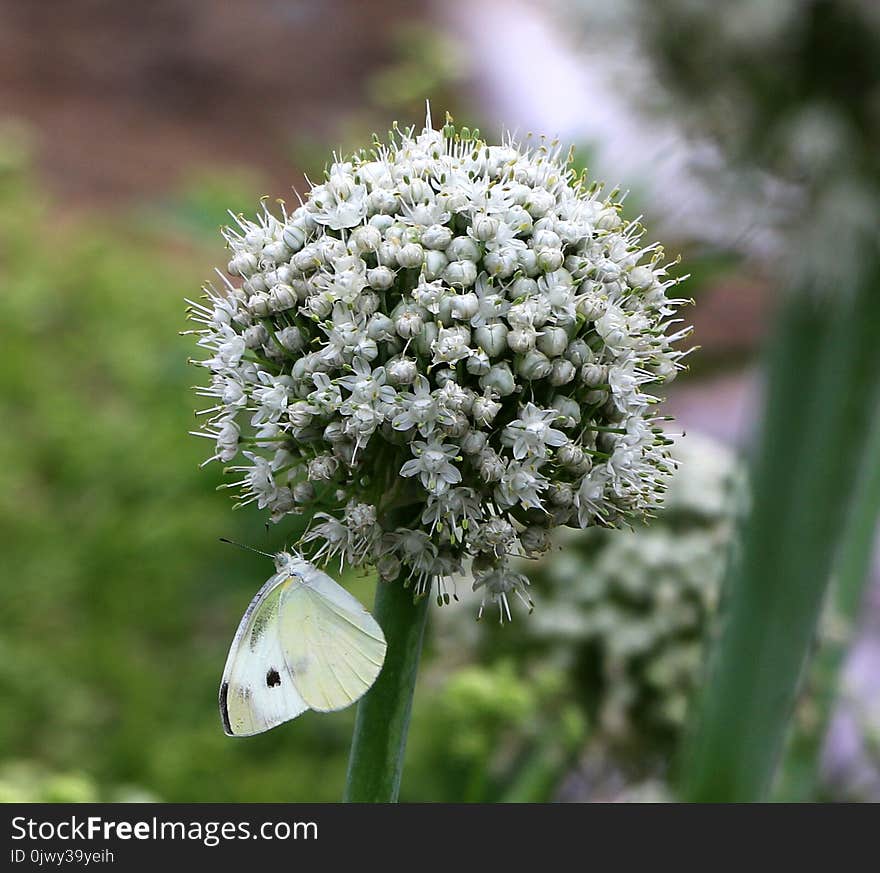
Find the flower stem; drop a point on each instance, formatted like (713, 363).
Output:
(375, 764)
(823, 385)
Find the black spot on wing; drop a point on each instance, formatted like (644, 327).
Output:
(272, 678)
(224, 708)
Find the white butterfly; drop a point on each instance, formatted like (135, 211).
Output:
(303, 643)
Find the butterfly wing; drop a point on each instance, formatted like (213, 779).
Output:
(334, 647)
(257, 691)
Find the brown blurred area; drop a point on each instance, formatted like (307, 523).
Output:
(125, 98)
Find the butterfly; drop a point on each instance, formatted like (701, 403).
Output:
(303, 643)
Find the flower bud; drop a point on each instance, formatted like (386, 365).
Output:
(465, 306)
(383, 201)
(366, 303)
(591, 306)
(492, 339)
(322, 468)
(334, 432)
(300, 414)
(435, 264)
(276, 253)
(606, 270)
(500, 379)
(243, 264)
(539, 202)
(380, 327)
(528, 262)
(545, 239)
(282, 297)
(254, 285)
(553, 341)
(301, 287)
(665, 370)
(409, 322)
(307, 259)
(549, 260)
(569, 411)
(286, 275)
(410, 255)
(366, 238)
(523, 287)
(387, 254)
(463, 248)
(458, 427)
(425, 339)
(608, 219)
(534, 365)
(320, 305)
(640, 278)
(294, 237)
(474, 441)
(380, 278)
(300, 369)
(381, 222)
(484, 227)
(562, 372)
(518, 193)
(451, 344)
(484, 409)
(560, 494)
(259, 305)
(570, 455)
(490, 465)
(444, 375)
(519, 220)
(444, 309)
(501, 263)
(535, 540)
(436, 236)
(522, 339)
(478, 363)
(302, 219)
(255, 336)
(367, 348)
(401, 371)
(463, 273)
(292, 339)
(579, 353)
(594, 374)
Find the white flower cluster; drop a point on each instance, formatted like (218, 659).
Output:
(447, 350)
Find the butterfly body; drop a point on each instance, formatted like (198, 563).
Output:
(303, 643)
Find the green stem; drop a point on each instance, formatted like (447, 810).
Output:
(799, 779)
(821, 395)
(375, 764)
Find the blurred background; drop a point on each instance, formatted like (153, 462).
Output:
(128, 130)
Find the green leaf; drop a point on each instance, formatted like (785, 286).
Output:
(823, 368)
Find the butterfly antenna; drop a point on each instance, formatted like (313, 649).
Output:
(246, 548)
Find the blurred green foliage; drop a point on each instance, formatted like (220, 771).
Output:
(31, 782)
(491, 731)
(118, 601)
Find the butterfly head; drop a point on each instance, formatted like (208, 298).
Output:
(291, 562)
